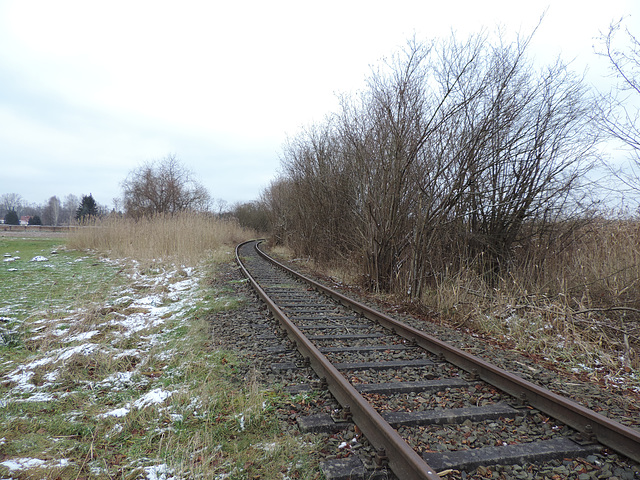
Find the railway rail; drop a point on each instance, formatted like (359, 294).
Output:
(336, 335)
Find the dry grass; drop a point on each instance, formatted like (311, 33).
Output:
(184, 238)
(580, 305)
(577, 302)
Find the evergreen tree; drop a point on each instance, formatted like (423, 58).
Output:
(11, 218)
(35, 220)
(88, 208)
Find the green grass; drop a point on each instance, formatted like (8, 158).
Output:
(77, 362)
(31, 288)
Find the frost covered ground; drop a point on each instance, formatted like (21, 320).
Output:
(105, 354)
(112, 374)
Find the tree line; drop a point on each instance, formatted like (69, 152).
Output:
(455, 152)
(54, 212)
(158, 187)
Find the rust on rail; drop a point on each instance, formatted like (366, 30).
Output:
(402, 459)
(623, 439)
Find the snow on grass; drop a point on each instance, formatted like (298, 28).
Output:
(29, 463)
(116, 376)
(119, 381)
(80, 337)
(158, 472)
(143, 314)
(118, 412)
(155, 396)
(22, 463)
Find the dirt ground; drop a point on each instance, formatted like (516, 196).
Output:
(29, 232)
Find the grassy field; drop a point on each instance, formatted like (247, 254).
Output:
(107, 368)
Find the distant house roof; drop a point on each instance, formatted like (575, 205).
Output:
(24, 220)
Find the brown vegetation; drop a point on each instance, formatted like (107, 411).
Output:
(184, 238)
(456, 180)
(456, 153)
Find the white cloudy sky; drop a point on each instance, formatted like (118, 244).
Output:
(90, 90)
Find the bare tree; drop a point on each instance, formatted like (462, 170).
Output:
(51, 213)
(11, 202)
(454, 149)
(221, 205)
(69, 207)
(317, 192)
(163, 186)
(619, 112)
(536, 143)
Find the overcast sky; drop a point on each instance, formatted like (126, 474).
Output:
(90, 90)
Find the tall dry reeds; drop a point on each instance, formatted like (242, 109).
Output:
(185, 238)
(577, 298)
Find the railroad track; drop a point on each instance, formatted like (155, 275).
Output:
(370, 361)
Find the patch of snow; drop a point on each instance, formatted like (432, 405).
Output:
(73, 416)
(118, 412)
(157, 395)
(267, 447)
(147, 302)
(40, 397)
(97, 470)
(124, 299)
(121, 381)
(130, 352)
(240, 418)
(22, 379)
(167, 355)
(84, 349)
(137, 322)
(159, 472)
(22, 463)
(119, 378)
(117, 428)
(182, 285)
(39, 258)
(81, 337)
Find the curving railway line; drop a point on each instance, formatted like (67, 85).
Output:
(344, 341)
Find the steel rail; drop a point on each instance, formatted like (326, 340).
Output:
(402, 459)
(623, 439)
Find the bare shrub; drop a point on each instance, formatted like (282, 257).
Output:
(456, 153)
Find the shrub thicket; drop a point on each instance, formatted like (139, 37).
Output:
(455, 154)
